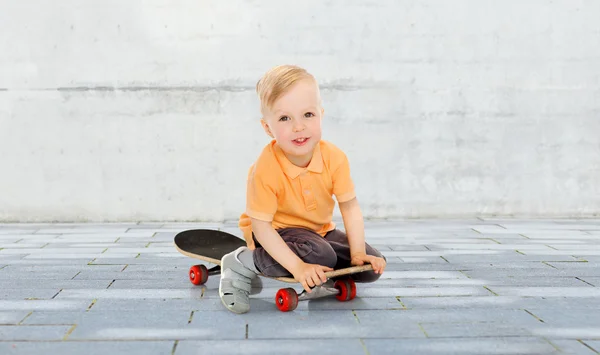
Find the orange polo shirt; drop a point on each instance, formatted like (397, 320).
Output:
(290, 196)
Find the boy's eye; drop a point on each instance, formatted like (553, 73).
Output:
(284, 118)
(308, 114)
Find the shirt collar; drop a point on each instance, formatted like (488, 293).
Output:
(293, 171)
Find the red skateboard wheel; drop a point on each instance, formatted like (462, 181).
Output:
(286, 299)
(198, 274)
(347, 290)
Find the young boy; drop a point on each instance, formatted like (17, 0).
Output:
(289, 206)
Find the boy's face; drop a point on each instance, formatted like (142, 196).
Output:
(294, 121)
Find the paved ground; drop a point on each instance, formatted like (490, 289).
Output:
(451, 287)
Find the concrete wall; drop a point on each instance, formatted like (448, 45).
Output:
(145, 110)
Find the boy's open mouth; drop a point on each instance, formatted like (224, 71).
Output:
(300, 141)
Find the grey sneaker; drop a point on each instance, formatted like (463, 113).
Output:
(235, 284)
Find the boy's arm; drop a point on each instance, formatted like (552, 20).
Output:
(355, 231)
(271, 241)
(355, 227)
(309, 275)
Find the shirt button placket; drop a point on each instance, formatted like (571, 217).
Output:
(309, 197)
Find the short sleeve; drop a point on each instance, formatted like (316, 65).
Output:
(343, 187)
(261, 196)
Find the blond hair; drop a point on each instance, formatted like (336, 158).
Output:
(277, 81)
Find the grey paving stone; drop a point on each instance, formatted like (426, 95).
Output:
(107, 319)
(565, 235)
(152, 260)
(130, 294)
(429, 240)
(101, 245)
(78, 230)
(402, 247)
(512, 258)
(16, 231)
(427, 261)
(54, 304)
(29, 238)
(547, 291)
(271, 346)
(443, 329)
(9, 239)
(73, 255)
(143, 250)
(209, 330)
(178, 283)
(593, 265)
(11, 317)
(389, 317)
(592, 280)
(71, 269)
(594, 344)
(569, 318)
(39, 262)
(566, 303)
(444, 253)
(150, 274)
(488, 302)
(24, 332)
(491, 246)
(589, 252)
(535, 282)
(155, 244)
(182, 269)
(571, 247)
(506, 266)
(526, 241)
(188, 304)
(423, 291)
(10, 258)
(53, 284)
(51, 251)
(146, 240)
(23, 245)
(55, 317)
(146, 225)
(301, 325)
(8, 274)
(88, 347)
(416, 283)
(572, 347)
(89, 274)
(191, 225)
(557, 332)
(64, 240)
(490, 228)
(459, 346)
(419, 274)
(28, 293)
(433, 264)
(531, 273)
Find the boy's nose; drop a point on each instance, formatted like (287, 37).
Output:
(298, 126)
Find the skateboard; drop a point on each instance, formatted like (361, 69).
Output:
(211, 245)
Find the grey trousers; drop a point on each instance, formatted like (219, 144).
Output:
(332, 250)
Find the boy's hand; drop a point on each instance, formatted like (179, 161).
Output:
(362, 258)
(311, 275)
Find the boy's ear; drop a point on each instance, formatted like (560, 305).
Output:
(266, 127)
